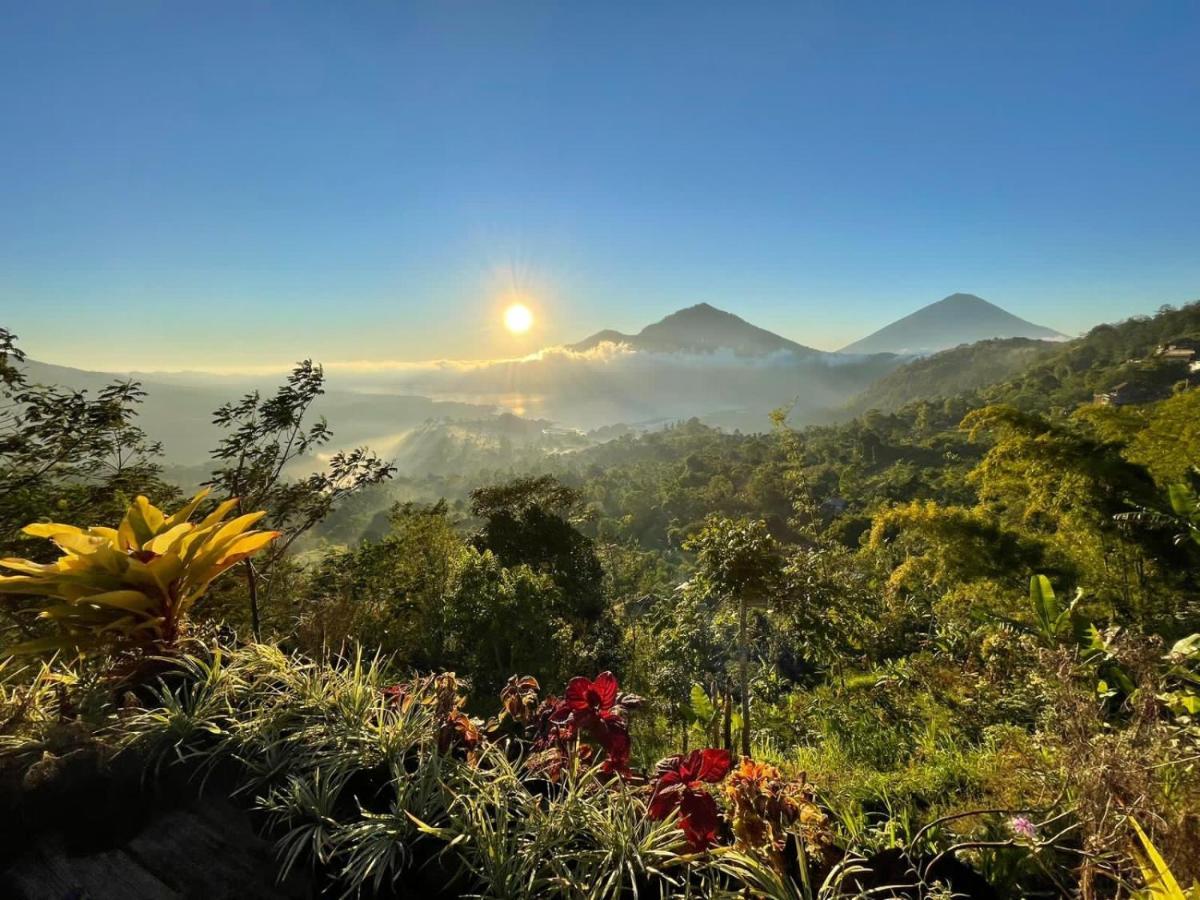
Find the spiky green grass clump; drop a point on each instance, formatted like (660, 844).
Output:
(358, 788)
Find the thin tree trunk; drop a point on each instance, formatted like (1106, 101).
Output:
(744, 673)
(252, 587)
(714, 724)
(727, 703)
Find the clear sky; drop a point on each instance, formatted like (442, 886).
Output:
(211, 185)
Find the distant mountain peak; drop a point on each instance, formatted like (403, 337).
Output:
(700, 310)
(949, 322)
(702, 328)
(961, 299)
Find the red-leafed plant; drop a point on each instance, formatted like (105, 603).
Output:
(764, 809)
(519, 698)
(593, 711)
(679, 784)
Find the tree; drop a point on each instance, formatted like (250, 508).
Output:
(67, 454)
(263, 437)
(828, 611)
(686, 651)
(737, 561)
(1046, 477)
(532, 522)
(391, 592)
(501, 621)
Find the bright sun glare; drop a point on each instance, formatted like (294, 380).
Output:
(518, 318)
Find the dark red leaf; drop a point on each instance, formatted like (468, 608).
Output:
(616, 745)
(698, 819)
(670, 765)
(606, 689)
(664, 799)
(713, 765)
(576, 694)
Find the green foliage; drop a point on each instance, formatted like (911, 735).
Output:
(263, 438)
(501, 620)
(68, 455)
(531, 522)
(1186, 505)
(969, 368)
(880, 592)
(1053, 620)
(1107, 355)
(390, 592)
(736, 561)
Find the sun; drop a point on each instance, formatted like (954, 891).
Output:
(518, 319)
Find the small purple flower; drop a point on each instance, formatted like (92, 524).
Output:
(1023, 828)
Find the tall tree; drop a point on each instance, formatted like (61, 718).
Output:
(263, 437)
(738, 562)
(533, 522)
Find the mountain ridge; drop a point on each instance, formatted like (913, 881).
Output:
(701, 328)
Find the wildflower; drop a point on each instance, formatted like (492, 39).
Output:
(1023, 828)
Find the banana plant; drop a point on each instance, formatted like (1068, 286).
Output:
(1055, 622)
(703, 710)
(130, 587)
(1058, 625)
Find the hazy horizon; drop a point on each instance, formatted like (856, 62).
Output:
(367, 366)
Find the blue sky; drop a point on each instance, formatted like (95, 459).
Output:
(219, 185)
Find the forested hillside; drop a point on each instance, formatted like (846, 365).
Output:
(953, 372)
(948, 644)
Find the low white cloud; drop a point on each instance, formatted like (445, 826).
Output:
(612, 382)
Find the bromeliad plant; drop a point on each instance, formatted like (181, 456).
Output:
(130, 587)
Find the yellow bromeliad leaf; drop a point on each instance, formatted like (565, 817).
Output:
(133, 601)
(131, 586)
(50, 529)
(1160, 883)
(168, 540)
(223, 509)
(246, 545)
(24, 565)
(65, 611)
(185, 513)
